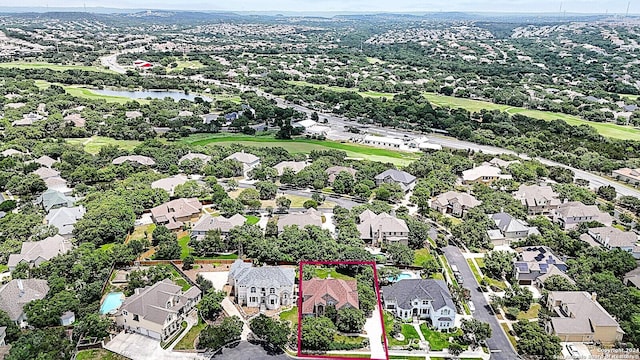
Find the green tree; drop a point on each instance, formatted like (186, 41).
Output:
(475, 331)
(215, 337)
(559, 283)
(42, 344)
(187, 263)
(230, 207)
(168, 250)
(267, 189)
(13, 331)
(274, 332)
(211, 304)
(248, 195)
(106, 221)
(607, 192)
(499, 264)
(534, 341)
(343, 183)
(161, 234)
(389, 192)
(350, 320)
(400, 254)
(310, 204)
(283, 204)
(317, 333)
(92, 325)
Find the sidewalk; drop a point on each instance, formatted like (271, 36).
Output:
(192, 320)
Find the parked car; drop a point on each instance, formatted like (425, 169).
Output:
(573, 351)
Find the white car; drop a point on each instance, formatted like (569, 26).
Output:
(573, 351)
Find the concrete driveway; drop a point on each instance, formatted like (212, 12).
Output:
(217, 278)
(248, 351)
(498, 341)
(138, 347)
(373, 327)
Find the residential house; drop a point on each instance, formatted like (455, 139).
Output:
(382, 229)
(134, 160)
(500, 163)
(423, 299)
(3, 335)
(509, 229)
(45, 160)
(580, 318)
(535, 261)
(265, 287)
(53, 199)
(28, 120)
(454, 203)
(12, 152)
(553, 271)
(58, 184)
(35, 253)
(169, 184)
(45, 173)
(571, 214)
(539, 200)
(192, 156)
(133, 114)
(296, 166)
(317, 294)
(402, 178)
(383, 141)
(483, 174)
(610, 237)
(248, 161)
(333, 171)
(630, 176)
(157, 310)
(64, 219)
(17, 293)
(309, 217)
(76, 119)
(632, 278)
(177, 213)
(208, 223)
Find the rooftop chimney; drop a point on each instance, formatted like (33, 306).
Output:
(20, 287)
(594, 296)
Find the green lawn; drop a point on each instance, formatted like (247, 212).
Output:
(403, 357)
(83, 92)
(98, 354)
(437, 340)
(531, 314)
(306, 146)
(323, 273)
(437, 276)
(372, 60)
(252, 220)
(186, 343)
(348, 339)
(606, 129)
(420, 256)
(177, 278)
(186, 64)
(408, 331)
(290, 315)
(139, 232)
(93, 144)
(219, 257)
(184, 246)
(50, 66)
(492, 282)
(443, 261)
(474, 270)
(107, 247)
(512, 339)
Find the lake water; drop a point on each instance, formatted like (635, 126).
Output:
(143, 94)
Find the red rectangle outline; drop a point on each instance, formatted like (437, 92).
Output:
(379, 300)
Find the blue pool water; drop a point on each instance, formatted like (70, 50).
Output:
(111, 302)
(401, 276)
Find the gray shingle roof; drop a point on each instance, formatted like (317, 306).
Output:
(52, 198)
(45, 249)
(65, 218)
(406, 290)
(397, 175)
(266, 276)
(208, 222)
(18, 292)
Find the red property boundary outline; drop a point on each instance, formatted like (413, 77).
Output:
(379, 302)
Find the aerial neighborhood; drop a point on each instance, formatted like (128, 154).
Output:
(188, 185)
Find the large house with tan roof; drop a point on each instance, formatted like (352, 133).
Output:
(454, 203)
(580, 318)
(17, 293)
(539, 200)
(248, 161)
(208, 223)
(295, 166)
(177, 213)
(333, 171)
(630, 176)
(611, 237)
(169, 184)
(158, 310)
(134, 160)
(483, 174)
(318, 294)
(309, 217)
(35, 253)
(382, 229)
(193, 156)
(571, 214)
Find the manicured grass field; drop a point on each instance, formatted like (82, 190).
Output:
(420, 256)
(531, 314)
(184, 246)
(373, 94)
(186, 343)
(290, 315)
(437, 340)
(50, 66)
(93, 144)
(305, 146)
(474, 270)
(606, 129)
(186, 64)
(323, 273)
(512, 339)
(98, 354)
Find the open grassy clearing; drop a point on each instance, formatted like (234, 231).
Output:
(373, 94)
(290, 315)
(323, 273)
(93, 144)
(296, 201)
(306, 146)
(512, 338)
(421, 256)
(186, 64)
(532, 313)
(606, 129)
(185, 250)
(437, 340)
(186, 343)
(98, 354)
(55, 67)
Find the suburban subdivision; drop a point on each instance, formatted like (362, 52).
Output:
(206, 184)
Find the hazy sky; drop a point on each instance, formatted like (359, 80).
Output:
(582, 6)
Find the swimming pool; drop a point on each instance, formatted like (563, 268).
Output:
(111, 302)
(403, 275)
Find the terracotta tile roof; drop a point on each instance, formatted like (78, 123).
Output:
(320, 291)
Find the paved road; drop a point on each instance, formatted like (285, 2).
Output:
(248, 351)
(498, 340)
